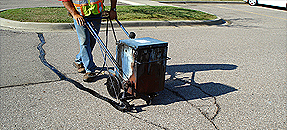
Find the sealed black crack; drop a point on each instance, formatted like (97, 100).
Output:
(77, 84)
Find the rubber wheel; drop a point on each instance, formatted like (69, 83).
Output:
(252, 2)
(113, 86)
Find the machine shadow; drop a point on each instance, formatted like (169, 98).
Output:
(178, 88)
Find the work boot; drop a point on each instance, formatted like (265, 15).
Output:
(88, 77)
(80, 67)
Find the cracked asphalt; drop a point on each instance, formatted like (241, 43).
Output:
(230, 76)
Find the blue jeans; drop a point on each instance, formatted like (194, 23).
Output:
(87, 43)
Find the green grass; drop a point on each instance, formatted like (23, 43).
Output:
(125, 13)
(161, 13)
(50, 15)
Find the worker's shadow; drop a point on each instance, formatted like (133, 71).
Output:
(184, 87)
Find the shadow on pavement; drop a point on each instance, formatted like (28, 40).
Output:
(185, 88)
(63, 77)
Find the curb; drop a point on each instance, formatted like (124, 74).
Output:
(172, 23)
(69, 26)
(34, 26)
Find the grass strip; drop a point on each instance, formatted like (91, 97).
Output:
(125, 13)
(42, 14)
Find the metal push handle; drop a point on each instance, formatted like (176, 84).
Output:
(132, 35)
(103, 47)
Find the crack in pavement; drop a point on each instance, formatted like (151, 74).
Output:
(63, 77)
(79, 85)
(201, 96)
(114, 104)
(148, 121)
(27, 84)
(205, 114)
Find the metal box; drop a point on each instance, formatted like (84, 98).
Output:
(143, 61)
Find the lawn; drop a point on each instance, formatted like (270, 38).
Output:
(125, 13)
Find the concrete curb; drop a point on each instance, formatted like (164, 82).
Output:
(33, 26)
(172, 23)
(69, 26)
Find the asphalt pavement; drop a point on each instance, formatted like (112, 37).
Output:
(227, 76)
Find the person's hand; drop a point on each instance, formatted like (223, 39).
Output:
(80, 20)
(113, 14)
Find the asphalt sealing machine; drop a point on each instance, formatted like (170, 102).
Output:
(138, 68)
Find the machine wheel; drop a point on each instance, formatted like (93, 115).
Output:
(113, 86)
(147, 99)
(125, 106)
(252, 2)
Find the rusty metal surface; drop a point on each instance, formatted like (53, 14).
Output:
(144, 64)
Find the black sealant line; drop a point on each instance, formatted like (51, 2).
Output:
(63, 77)
(43, 60)
(77, 84)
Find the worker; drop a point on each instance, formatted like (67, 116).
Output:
(80, 9)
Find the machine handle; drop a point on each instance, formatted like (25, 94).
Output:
(132, 35)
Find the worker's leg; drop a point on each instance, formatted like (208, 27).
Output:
(85, 54)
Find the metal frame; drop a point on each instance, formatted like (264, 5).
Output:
(122, 97)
